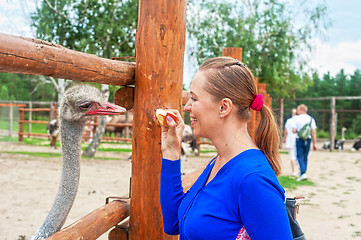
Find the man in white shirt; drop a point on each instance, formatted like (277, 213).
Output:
(303, 146)
(290, 141)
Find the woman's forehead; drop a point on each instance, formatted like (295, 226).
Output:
(198, 82)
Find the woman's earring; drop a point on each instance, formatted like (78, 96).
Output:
(221, 115)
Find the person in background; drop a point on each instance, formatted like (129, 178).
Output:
(238, 192)
(290, 141)
(303, 147)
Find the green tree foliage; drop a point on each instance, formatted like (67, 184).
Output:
(106, 28)
(4, 93)
(21, 87)
(269, 33)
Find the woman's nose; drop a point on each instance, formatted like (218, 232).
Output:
(187, 107)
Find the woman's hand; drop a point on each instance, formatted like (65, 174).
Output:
(172, 137)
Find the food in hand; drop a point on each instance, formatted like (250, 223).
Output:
(162, 116)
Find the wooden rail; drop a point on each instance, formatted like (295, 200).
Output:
(38, 57)
(85, 137)
(11, 105)
(95, 223)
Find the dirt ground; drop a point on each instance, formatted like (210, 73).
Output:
(28, 185)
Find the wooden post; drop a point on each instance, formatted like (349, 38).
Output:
(234, 52)
(333, 122)
(10, 120)
(21, 124)
(160, 43)
(126, 134)
(30, 118)
(280, 118)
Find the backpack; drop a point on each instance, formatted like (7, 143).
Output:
(305, 131)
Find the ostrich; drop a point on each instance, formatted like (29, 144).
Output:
(79, 104)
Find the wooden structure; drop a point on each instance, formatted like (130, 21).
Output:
(157, 75)
(160, 43)
(11, 116)
(86, 135)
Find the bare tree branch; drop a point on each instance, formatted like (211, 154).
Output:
(54, 9)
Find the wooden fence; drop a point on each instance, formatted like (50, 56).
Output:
(158, 71)
(88, 133)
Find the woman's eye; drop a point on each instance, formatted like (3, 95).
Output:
(193, 99)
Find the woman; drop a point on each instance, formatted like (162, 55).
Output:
(238, 189)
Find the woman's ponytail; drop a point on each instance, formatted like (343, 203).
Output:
(267, 138)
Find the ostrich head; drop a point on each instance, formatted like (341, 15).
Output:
(80, 103)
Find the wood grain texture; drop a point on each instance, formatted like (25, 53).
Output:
(160, 43)
(95, 223)
(38, 57)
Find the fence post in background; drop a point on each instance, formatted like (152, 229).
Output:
(21, 124)
(333, 122)
(126, 134)
(30, 118)
(10, 119)
(280, 119)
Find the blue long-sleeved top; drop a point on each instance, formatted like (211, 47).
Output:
(245, 191)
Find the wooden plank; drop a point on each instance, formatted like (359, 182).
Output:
(333, 122)
(37, 109)
(38, 57)
(325, 98)
(34, 134)
(160, 43)
(33, 121)
(21, 125)
(125, 97)
(95, 223)
(11, 104)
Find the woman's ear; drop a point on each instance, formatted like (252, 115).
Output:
(226, 105)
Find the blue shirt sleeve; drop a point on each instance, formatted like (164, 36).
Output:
(171, 194)
(262, 208)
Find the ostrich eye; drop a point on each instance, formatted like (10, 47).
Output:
(85, 105)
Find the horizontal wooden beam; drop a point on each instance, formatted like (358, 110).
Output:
(325, 98)
(95, 223)
(38, 57)
(11, 105)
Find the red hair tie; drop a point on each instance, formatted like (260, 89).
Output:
(257, 103)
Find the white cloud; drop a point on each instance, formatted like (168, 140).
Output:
(344, 55)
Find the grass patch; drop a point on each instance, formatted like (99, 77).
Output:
(292, 183)
(120, 150)
(101, 158)
(36, 154)
(8, 139)
(55, 155)
(209, 151)
(37, 141)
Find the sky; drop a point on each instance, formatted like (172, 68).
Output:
(339, 48)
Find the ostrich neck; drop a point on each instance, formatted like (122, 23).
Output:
(71, 133)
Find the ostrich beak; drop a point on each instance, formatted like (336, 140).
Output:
(107, 109)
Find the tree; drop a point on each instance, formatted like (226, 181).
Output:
(268, 30)
(105, 28)
(4, 93)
